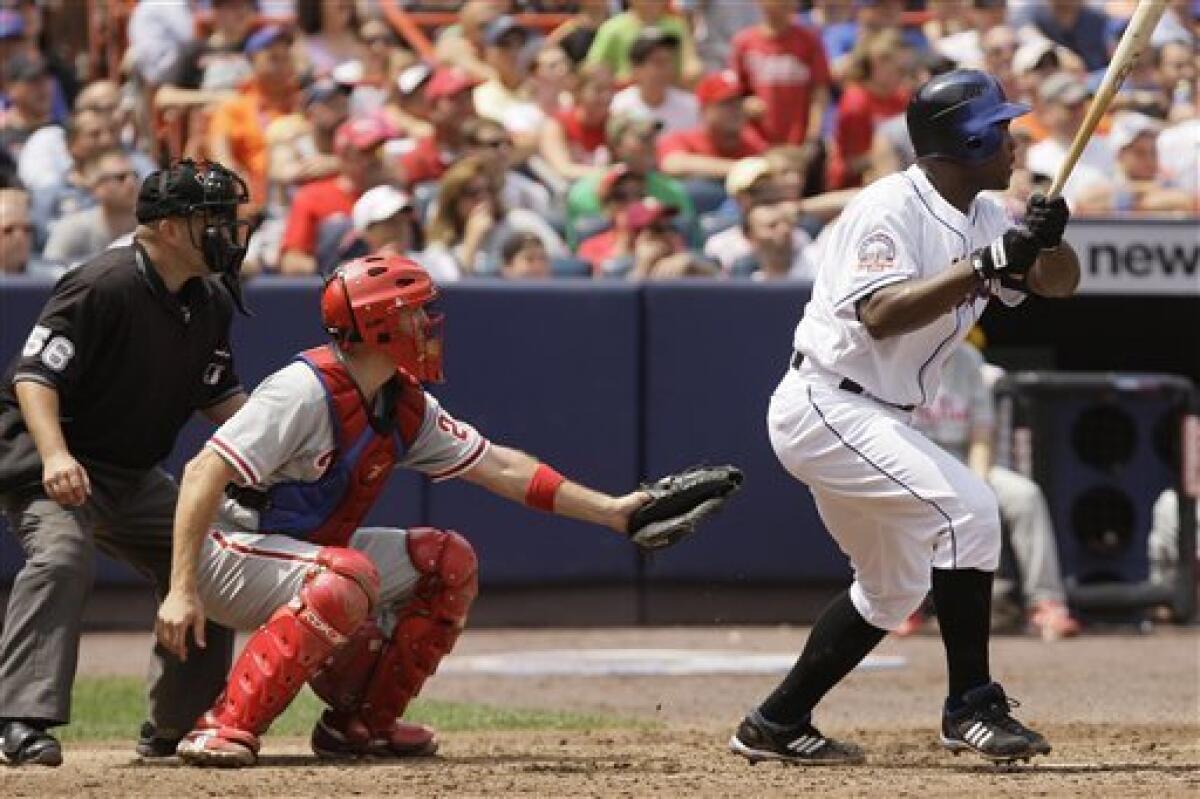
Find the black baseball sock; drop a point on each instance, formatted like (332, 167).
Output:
(963, 599)
(839, 640)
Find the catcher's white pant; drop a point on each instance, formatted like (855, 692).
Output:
(896, 503)
(245, 577)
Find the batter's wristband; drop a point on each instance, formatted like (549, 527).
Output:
(542, 488)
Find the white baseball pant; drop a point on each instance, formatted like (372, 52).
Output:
(896, 503)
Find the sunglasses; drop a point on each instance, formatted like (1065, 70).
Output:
(99, 108)
(494, 144)
(371, 41)
(128, 174)
(8, 230)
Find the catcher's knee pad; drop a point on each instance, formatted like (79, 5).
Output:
(427, 627)
(283, 654)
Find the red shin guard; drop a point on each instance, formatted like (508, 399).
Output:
(426, 628)
(284, 653)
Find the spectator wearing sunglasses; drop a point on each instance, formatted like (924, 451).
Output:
(468, 230)
(114, 185)
(88, 133)
(48, 157)
(506, 97)
(492, 143)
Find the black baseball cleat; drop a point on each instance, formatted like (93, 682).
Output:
(984, 726)
(153, 746)
(28, 743)
(758, 739)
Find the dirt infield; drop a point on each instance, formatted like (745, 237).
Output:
(1123, 713)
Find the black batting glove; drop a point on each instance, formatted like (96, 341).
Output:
(1046, 219)
(1009, 256)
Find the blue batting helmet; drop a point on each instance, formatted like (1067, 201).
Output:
(956, 115)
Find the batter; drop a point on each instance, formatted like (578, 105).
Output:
(911, 264)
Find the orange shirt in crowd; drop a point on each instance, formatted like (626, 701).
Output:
(242, 121)
(1031, 126)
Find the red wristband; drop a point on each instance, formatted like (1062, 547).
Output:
(542, 488)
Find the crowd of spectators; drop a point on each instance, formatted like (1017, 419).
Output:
(644, 139)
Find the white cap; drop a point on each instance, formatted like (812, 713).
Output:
(1128, 125)
(745, 173)
(377, 205)
(1031, 52)
(348, 73)
(413, 78)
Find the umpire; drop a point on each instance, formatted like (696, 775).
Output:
(126, 349)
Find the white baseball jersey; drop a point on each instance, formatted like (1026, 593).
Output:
(284, 432)
(898, 228)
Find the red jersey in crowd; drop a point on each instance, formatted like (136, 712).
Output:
(859, 113)
(697, 142)
(782, 71)
(584, 140)
(314, 203)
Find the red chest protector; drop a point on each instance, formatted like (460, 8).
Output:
(329, 510)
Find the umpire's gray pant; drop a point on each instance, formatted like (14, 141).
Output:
(129, 515)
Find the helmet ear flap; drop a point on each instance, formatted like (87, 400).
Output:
(337, 312)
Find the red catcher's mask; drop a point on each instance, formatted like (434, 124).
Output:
(362, 305)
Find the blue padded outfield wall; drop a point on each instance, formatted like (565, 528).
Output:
(577, 374)
(613, 382)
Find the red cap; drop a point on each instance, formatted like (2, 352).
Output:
(447, 82)
(362, 133)
(718, 87)
(644, 213)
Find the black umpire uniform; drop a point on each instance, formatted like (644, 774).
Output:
(130, 362)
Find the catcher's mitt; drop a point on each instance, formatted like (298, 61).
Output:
(679, 502)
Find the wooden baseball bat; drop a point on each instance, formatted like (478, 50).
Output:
(1133, 43)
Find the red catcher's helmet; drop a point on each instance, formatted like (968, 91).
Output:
(361, 304)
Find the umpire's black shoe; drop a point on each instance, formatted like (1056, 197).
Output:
(152, 745)
(758, 739)
(984, 726)
(27, 742)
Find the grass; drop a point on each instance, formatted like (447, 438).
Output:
(112, 708)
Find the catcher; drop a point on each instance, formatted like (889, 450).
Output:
(268, 536)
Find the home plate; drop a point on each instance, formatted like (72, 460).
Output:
(636, 663)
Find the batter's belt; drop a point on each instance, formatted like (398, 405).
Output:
(847, 384)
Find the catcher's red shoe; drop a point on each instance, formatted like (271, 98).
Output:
(339, 735)
(211, 744)
(910, 626)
